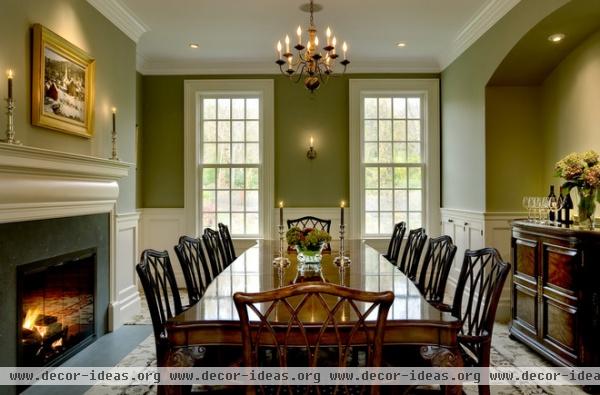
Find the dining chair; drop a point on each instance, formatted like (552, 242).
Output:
(195, 267)
(411, 255)
(214, 250)
(436, 268)
(228, 247)
(311, 222)
(277, 326)
(162, 295)
(395, 242)
(476, 298)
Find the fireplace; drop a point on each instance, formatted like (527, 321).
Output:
(55, 307)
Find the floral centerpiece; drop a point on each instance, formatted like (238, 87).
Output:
(582, 170)
(308, 242)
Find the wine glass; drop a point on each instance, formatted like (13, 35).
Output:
(537, 207)
(545, 209)
(527, 206)
(556, 204)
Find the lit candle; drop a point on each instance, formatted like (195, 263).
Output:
(279, 48)
(281, 213)
(311, 142)
(342, 212)
(114, 119)
(290, 62)
(299, 33)
(328, 36)
(333, 44)
(287, 44)
(344, 48)
(316, 41)
(10, 82)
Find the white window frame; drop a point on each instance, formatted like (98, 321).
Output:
(428, 89)
(194, 90)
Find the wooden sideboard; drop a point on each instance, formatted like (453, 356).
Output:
(556, 292)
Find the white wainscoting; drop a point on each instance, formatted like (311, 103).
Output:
(125, 302)
(475, 230)
(160, 230)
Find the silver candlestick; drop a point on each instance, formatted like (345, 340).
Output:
(342, 259)
(281, 260)
(10, 123)
(114, 145)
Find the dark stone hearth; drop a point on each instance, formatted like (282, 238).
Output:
(22, 243)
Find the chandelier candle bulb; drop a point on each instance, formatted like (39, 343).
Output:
(287, 44)
(328, 33)
(345, 49)
(279, 49)
(299, 34)
(10, 83)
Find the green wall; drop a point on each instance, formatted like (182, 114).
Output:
(571, 106)
(513, 146)
(82, 25)
(300, 182)
(463, 105)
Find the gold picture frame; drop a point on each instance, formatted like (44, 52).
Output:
(62, 87)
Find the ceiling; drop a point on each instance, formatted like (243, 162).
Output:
(239, 36)
(534, 57)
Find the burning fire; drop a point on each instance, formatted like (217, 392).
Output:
(57, 343)
(31, 317)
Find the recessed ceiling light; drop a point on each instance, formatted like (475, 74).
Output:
(401, 44)
(556, 38)
(194, 46)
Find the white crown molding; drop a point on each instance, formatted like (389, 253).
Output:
(122, 17)
(486, 17)
(244, 68)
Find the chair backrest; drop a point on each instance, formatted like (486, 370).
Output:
(395, 242)
(160, 288)
(215, 251)
(411, 256)
(478, 291)
(195, 267)
(227, 243)
(436, 268)
(281, 322)
(310, 222)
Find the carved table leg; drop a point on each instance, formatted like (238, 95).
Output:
(444, 358)
(180, 358)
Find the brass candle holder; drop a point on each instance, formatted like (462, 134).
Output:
(281, 260)
(10, 123)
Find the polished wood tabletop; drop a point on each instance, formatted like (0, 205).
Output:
(411, 319)
(253, 271)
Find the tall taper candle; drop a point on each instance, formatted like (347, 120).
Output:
(342, 212)
(10, 82)
(281, 213)
(114, 119)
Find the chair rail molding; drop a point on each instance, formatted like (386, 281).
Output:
(475, 230)
(43, 184)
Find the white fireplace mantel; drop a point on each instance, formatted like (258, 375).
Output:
(40, 184)
(37, 183)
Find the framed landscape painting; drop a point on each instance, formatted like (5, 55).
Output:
(62, 88)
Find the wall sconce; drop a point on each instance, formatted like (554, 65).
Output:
(311, 154)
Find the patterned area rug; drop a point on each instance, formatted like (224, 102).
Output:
(505, 352)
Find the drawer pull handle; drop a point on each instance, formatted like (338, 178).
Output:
(450, 220)
(466, 224)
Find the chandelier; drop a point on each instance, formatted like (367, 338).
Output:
(312, 64)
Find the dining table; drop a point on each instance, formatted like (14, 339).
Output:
(411, 321)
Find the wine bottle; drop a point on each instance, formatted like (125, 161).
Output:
(568, 207)
(551, 196)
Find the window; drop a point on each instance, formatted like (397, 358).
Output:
(394, 134)
(392, 162)
(229, 144)
(230, 163)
